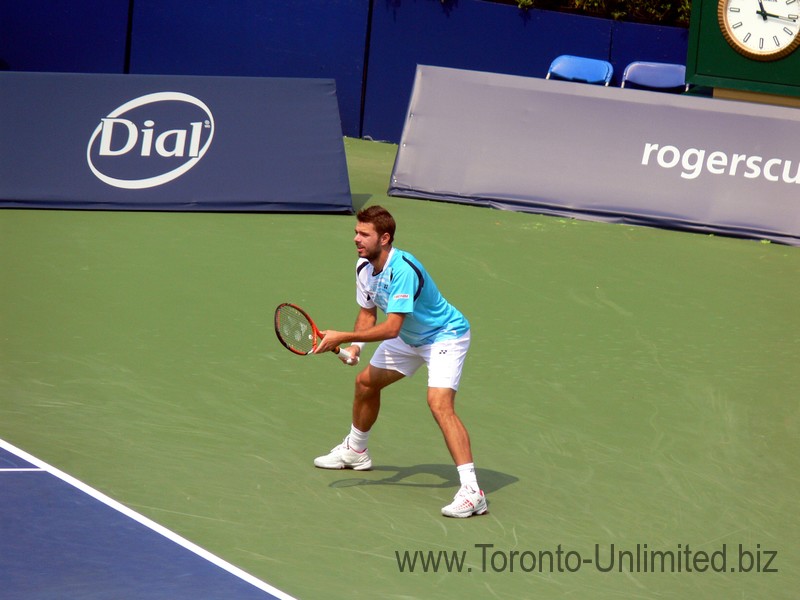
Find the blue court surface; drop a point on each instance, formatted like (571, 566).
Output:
(62, 539)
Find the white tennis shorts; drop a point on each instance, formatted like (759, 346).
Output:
(445, 360)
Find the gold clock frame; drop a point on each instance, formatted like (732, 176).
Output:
(746, 52)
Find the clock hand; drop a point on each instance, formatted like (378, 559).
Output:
(767, 14)
(761, 12)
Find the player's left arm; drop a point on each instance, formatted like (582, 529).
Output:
(366, 318)
(401, 302)
(385, 330)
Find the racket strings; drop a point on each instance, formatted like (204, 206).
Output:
(295, 329)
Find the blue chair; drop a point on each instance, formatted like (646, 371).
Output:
(578, 68)
(661, 77)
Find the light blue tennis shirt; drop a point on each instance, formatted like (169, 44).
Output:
(404, 286)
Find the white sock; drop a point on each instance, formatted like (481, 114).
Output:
(466, 473)
(357, 440)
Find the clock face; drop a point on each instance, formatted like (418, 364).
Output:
(761, 29)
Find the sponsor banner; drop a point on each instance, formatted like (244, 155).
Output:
(171, 143)
(599, 153)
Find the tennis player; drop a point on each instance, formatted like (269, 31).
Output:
(421, 327)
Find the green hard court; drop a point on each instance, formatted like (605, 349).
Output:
(631, 393)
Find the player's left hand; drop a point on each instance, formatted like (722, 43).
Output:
(350, 356)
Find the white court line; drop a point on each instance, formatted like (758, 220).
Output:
(170, 535)
(20, 470)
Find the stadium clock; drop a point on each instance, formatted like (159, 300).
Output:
(760, 29)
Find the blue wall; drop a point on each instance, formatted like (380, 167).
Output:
(256, 38)
(48, 35)
(295, 38)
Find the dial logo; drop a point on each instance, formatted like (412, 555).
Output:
(150, 140)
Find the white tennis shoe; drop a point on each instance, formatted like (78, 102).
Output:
(467, 502)
(343, 457)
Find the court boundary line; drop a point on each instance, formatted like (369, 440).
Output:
(141, 519)
(23, 469)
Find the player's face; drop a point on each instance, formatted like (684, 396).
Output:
(367, 240)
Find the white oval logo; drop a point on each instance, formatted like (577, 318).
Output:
(150, 140)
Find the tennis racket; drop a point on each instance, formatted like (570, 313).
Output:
(298, 332)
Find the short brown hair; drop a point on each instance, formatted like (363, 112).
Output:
(380, 218)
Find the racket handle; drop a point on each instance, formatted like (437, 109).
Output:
(351, 360)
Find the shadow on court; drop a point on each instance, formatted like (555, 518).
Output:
(429, 476)
(360, 201)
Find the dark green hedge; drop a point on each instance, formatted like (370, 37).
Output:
(659, 12)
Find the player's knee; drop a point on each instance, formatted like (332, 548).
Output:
(362, 382)
(440, 407)
(366, 383)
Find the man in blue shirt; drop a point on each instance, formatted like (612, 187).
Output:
(421, 327)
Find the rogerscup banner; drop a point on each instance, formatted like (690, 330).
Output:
(599, 153)
(171, 143)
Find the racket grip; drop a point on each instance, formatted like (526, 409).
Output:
(351, 360)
